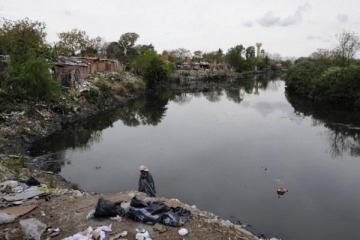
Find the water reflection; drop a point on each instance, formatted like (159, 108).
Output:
(342, 124)
(342, 133)
(149, 110)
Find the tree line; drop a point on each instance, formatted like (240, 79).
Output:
(329, 75)
(30, 57)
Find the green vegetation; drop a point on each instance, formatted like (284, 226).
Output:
(331, 76)
(52, 183)
(27, 73)
(75, 186)
(242, 59)
(14, 165)
(154, 71)
(76, 42)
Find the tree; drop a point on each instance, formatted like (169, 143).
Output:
(113, 50)
(214, 57)
(76, 42)
(198, 55)
(127, 41)
(179, 55)
(250, 52)
(27, 74)
(152, 68)
(18, 37)
(234, 57)
(349, 45)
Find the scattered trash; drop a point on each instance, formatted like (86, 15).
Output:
(8, 184)
(160, 228)
(123, 234)
(90, 233)
(119, 235)
(32, 228)
(18, 210)
(243, 225)
(281, 191)
(152, 212)
(90, 214)
(117, 218)
(6, 218)
(106, 208)
(28, 193)
(54, 232)
(31, 182)
(183, 232)
(142, 234)
(42, 213)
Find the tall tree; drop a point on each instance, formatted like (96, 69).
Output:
(235, 58)
(113, 50)
(27, 73)
(76, 42)
(127, 41)
(349, 45)
(250, 52)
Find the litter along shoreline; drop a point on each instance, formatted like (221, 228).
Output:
(69, 213)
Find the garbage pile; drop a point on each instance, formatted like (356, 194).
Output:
(15, 191)
(151, 212)
(19, 197)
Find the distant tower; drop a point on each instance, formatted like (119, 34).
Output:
(258, 45)
(262, 53)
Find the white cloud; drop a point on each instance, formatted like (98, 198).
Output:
(248, 23)
(270, 20)
(342, 17)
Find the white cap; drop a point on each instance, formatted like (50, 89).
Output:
(143, 168)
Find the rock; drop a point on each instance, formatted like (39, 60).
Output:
(160, 228)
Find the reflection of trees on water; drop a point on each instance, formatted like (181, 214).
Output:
(149, 110)
(343, 125)
(183, 98)
(214, 95)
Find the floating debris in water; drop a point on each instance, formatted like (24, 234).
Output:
(281, 191)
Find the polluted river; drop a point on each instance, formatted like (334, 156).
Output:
(227, 150)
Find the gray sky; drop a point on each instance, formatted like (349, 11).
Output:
(291, 28)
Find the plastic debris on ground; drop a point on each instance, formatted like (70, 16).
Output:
(119, 235)
(142, 234)
(97, 234)
(153, 212)
(6, 218)
(117, 218)
(32, 228)
(54, 232)
(106, 208)
(183, 232)
(90, 214)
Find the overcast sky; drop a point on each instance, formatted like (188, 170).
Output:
(291, 28)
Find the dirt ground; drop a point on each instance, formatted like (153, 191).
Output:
(68, 209)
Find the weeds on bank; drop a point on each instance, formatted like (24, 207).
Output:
(75, 186)
(13, 165)
(52, 182)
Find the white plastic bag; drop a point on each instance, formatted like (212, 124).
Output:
(6, 218)
(32, 228)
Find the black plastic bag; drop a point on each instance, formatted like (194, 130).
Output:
(106, 208)
(176, 217)
(146, 212)
(142, 215)
(31, 182)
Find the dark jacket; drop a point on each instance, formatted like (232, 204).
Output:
(147, 185)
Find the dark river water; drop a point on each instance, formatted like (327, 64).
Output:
(227, 150)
